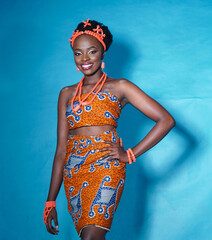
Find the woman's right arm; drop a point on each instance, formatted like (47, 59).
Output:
(58, 165)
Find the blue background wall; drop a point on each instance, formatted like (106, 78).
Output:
(162, 46)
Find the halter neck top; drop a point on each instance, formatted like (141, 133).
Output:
(105, 109)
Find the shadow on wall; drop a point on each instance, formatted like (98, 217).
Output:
(131, 220)
(120, 58)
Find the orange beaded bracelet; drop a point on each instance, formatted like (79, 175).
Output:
(131, 156)
(48, 207)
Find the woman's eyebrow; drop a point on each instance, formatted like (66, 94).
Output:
(78, 49)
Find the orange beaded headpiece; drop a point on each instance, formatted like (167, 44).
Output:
(96, 32)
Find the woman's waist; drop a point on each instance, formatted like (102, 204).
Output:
(90, 131)
(85, 152)
(84, 142)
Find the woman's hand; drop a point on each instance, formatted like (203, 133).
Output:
(116, 151)
(52, 216)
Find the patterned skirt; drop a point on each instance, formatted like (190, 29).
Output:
(93, 186)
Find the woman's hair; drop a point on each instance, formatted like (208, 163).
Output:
(108, 39)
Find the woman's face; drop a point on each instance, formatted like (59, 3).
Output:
(88, 53)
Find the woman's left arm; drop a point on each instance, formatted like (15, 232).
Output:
(152, 109)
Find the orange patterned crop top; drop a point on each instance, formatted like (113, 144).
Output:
(105, 109)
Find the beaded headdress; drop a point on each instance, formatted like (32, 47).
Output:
(97, 32)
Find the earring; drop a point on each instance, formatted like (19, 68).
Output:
(102, 65)
(78, 69)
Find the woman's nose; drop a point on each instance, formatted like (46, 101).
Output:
(85, 57)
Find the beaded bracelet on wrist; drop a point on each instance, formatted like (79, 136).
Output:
(48, 207)
(131, 156)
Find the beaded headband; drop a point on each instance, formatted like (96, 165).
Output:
(97, 33)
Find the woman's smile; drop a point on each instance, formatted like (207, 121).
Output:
(86, 66)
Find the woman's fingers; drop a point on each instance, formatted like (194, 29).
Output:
(110, 143)
(105, 149)
(107, 155)
(50, 228)
(49, 225)
(109, 148)
(56, 223)
(114, 151)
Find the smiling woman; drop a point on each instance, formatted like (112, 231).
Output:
(90, 156)
(88, 53)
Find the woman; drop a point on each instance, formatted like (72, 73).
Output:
(89, 155)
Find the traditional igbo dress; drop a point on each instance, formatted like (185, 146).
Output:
(93, 186)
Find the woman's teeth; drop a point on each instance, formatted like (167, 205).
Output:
(87, 66)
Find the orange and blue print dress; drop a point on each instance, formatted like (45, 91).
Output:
(93, 185)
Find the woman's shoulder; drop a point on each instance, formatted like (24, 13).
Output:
(119, 87)
(67, 92)
(69, 88)
(120, 83)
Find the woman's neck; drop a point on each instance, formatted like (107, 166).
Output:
(92, 79)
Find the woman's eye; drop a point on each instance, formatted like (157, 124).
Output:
(77, 54)
(93, 52)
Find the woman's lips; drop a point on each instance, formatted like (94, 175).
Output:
(86, 66)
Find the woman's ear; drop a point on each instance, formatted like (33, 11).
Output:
(103, 54)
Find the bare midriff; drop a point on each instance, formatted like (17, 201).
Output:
(90, 130)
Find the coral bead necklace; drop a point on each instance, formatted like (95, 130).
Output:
(79, 89)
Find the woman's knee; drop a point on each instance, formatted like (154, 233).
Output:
(93, 233)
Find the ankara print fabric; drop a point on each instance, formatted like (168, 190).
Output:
(93, 186)
(105, 109)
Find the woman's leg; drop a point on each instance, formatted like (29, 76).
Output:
(93, 233)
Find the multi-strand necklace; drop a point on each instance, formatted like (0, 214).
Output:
(79, 89)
